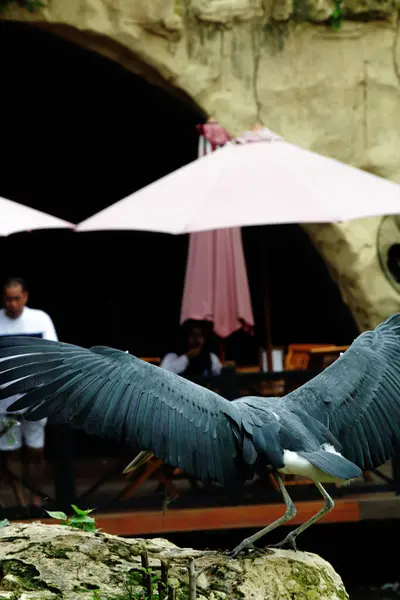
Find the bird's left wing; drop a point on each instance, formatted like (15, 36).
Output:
(113, 394)
(358, 396)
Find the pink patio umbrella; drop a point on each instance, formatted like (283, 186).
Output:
(216, 287)
(16, 217)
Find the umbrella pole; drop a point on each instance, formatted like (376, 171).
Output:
(267, 311)
(268, 338)
(222, 350)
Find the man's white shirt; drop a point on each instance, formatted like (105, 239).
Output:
(32, 322)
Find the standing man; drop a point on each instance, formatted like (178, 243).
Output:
(17, 319)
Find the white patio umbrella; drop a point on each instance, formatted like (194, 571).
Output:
(261, 179)
(16, 217)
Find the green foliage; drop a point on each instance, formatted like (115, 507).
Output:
(30, 5)
(336, 20)
(150, 580)
(277, 32)
(80, 519)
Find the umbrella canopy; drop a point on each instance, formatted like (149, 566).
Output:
(216, 287)
(16, 217)
(263, 181)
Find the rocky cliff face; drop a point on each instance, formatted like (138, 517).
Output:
(275, 62)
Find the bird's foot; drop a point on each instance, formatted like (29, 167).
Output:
(242, 547)
(289, 540)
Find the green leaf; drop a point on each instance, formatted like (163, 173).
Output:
(82, 522)
(79, 511)
(60, 516)
(84, 526)
(4, 523)
(90, 528)
(81, 519)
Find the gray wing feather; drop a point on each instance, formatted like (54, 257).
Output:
(358, 396)
(112, 394)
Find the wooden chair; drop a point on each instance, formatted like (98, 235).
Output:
(154, 360)
(298, 355)
(152, 468)
(320, 358)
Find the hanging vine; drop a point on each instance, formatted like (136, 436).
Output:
(30, 5)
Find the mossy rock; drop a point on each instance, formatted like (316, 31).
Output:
(45, 562)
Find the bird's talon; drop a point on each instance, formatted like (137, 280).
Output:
(241, 548)
(288, 541)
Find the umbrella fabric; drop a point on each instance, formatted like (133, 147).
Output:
(261, 179)
(16, 217)
(216, 287)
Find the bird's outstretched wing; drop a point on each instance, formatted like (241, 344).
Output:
(113, 394)
(358, 396)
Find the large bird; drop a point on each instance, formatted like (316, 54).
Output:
(343, 421)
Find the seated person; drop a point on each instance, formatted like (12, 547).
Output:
(194, 358)
(242, 347)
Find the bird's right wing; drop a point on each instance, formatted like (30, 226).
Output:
(113, 394)
(358, 396)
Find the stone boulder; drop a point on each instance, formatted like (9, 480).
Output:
(49, 562)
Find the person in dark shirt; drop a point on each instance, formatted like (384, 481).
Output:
(194, 356)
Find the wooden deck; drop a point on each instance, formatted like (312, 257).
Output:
(352, 509)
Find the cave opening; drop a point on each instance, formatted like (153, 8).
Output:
(80, 132)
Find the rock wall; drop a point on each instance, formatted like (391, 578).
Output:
(49, 562)
(275, 62)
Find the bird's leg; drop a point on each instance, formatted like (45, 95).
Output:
(289, 514)
(290, 539)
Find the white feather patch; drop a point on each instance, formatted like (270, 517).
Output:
(298, 465)
(329, 448)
